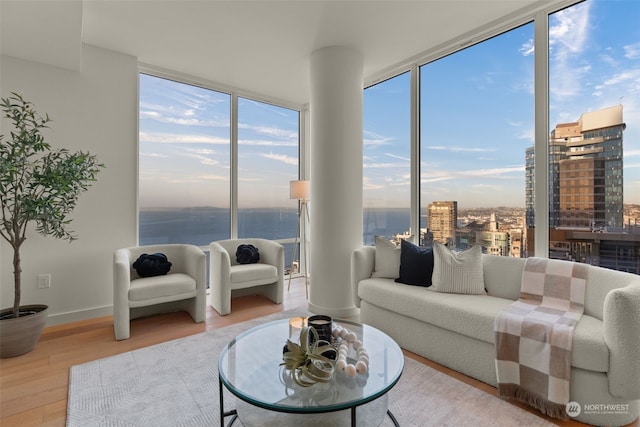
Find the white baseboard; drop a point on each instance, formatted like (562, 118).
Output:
(76, 316)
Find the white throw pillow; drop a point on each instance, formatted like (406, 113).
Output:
(387, 259)
(458, 273)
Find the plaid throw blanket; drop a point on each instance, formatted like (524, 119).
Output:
(534, 335)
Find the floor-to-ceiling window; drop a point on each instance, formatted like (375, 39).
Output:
(387, 155)
(268, 147)
(594, 134)
(189, 160)
(480, 116)
(476, 120)
(184, 173)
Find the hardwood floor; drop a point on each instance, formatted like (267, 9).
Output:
(34, 387)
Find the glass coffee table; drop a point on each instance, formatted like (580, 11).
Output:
(249, 367)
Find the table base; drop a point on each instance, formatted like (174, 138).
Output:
(369, 414)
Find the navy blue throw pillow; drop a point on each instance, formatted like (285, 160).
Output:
(152, 265)
(247, 254)
(416, 264)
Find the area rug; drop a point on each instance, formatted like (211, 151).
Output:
(176, 384)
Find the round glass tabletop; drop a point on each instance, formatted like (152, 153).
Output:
(249, 367)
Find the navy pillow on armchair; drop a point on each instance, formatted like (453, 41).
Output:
(416, 264)
(247, 254)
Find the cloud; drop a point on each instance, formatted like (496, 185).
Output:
(568, 34)
(626, 76)
(155, 155)
(632, 51)
(374, 165)
(183, 118)
(608, 60)
(210, 177)
(527, 135)
(395, 156)
(372, 138)
(202, 159)
(267, 143)
(281, 158)
(367, 184)
(473, 175)
(527, 48)
(272, 131)
(493, 173)
(461, 149)
(174, 138)
(568, 30)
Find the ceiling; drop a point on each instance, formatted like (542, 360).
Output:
(260, 46)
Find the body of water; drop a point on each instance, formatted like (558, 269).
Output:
(201, 226)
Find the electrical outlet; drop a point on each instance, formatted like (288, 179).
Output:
(44, 281)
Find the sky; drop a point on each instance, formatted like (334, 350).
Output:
(185, 151)
(477, 107)
(476, 110)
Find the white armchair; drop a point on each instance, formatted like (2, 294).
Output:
(229, 279)
(183, 288)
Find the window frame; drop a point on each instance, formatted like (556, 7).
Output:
(235, 94)
(539, 16)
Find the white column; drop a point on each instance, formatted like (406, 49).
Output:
(336, 177)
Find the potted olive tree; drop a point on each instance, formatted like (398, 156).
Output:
(39, 186)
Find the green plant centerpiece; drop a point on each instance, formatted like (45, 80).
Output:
(307, 361)
(38, 185)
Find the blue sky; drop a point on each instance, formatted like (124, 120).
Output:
(476, 121)
(184, 148)
(477, 109)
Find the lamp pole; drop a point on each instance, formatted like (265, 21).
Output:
(300, 190)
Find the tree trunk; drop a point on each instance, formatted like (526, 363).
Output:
(17, 279)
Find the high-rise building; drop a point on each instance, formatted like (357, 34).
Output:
(529, 188)
(585, 172)
(582, 195)
(443, 217)
(586, 215)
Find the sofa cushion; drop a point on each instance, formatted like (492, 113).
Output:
(458, 273)
(416, 264)
(474, 316)
(147, 288)
(470, 315)
(252, 274)
(387, 259)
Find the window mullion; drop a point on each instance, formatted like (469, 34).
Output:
(541, 149)
(415, 154)
(234, 166)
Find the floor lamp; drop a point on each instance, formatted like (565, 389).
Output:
(300, 190)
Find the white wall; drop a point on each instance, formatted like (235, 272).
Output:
(95, 110)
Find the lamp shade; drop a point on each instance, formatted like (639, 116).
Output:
(299, 190)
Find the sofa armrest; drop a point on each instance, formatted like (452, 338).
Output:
(362, 265)
(195, 265)
(622, 335)
(272, 253)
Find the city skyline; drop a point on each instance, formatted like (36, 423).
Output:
(184, 130)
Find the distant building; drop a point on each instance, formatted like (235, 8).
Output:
(493, 241)
(466, 235)
(516, 243)
(586, 215)
(581, 193)
(529, 189)
(443, 217)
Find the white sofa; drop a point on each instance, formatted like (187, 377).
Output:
(457, 330)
